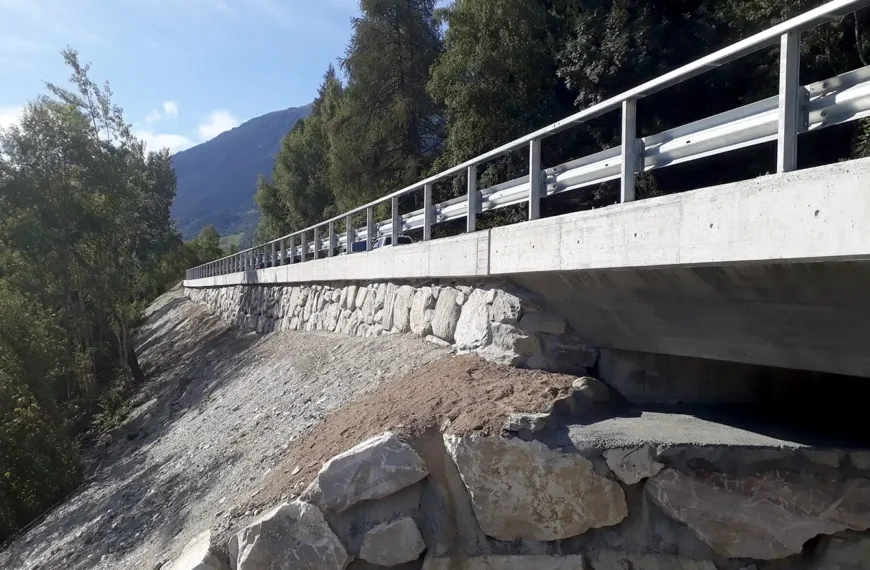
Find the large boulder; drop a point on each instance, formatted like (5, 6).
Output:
(402, 308)
(392, 543)
(446, 314)
(198, 555)
(632, 464)
(765, 516)
(421, 311)
(472, 328)
(524, 490)
(293, 536)
(373, 469)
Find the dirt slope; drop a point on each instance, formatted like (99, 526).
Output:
(220, 410)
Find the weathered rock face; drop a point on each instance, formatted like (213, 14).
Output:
(763, 516)
(472, 328)
(543, 322)
(292, 536)
(421, 312)
(446, 314)
(373, 469)
(592, 388)
(392, 543)
(402, 308)
(197, 555)
(523, 490)
(632, 464)
(606, 560)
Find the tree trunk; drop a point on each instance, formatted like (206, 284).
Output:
(133, 360)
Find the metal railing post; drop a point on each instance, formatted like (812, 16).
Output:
(535, 181)
(303, 247)
(316, 243)
(349, 235)
(427, 212)
(274, 254)
(629, 150)
(291, 250)
(370, 228)
(396, 221)
(282, 252)
(473, 200)
(789, 101)
(331, 239)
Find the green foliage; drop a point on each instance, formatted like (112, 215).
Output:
(387, 130)
(84, 236)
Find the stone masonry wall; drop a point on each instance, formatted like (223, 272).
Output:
(501, 323)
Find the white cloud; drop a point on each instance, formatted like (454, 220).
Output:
(9, 116)
(170, 109)
(157, 141)
(216, 123)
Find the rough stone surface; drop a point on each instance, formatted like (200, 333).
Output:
(607, 560)
(472, 329)
(402, 308)
(543, 322)
(291, 536)
(446, 314)
(392, 543)
(527, 422)
(844, 553)
(523, 490)
(764, 516)
(373, 469)
(632, 464)
(592, 388)
(197, 555)
(507, 562)
(421, 312)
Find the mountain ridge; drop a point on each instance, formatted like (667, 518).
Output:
(217, 179)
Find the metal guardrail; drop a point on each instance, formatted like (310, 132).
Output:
(796, 109)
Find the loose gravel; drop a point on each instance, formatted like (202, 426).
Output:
(220, 410)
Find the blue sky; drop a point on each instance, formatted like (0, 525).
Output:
(183, 70)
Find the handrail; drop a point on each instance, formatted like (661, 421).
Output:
(631, 157)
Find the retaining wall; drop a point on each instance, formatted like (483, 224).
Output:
(501, 323)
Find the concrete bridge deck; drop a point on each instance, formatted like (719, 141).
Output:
(772, 271)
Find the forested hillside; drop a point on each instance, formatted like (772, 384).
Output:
(415, 101)
(217, 179)
(85, 241)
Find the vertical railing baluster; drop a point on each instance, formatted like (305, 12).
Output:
(629, 150)
(427, 212)
(348, 235)
(535, 180)
(291, 250)
(274, 254)
(370, 228)
(332, 247)
(303, 247)
(316, 243)
(396, 222)
(789, 102)
(473, 200)
(282, 252)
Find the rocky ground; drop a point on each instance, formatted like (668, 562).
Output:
(220, 411)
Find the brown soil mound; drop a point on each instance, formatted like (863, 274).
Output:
(464, 394)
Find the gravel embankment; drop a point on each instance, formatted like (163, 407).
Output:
(220, 410)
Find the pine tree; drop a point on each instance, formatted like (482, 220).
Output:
(387, 131)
